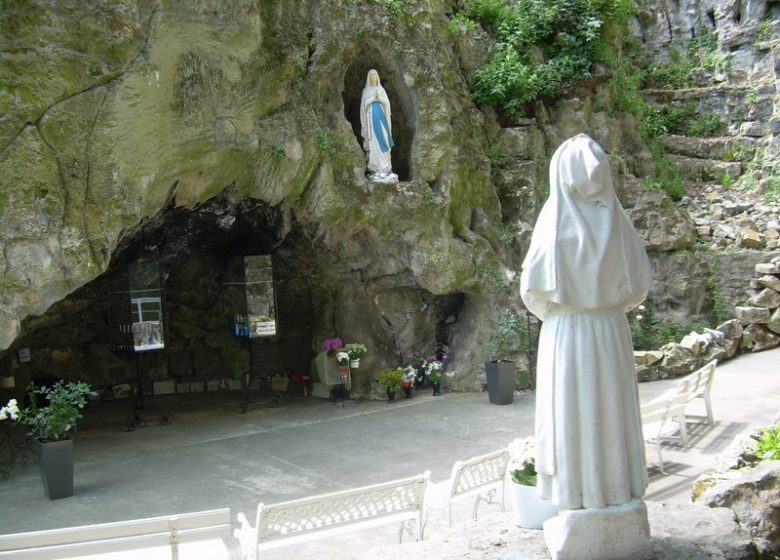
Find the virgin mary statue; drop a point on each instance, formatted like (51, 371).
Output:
(585, 269)
(376, 129)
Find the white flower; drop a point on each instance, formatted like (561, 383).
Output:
(639, 317)
(641, 308)
(523, 451)
(342, 357)
(450, 374)
(10, 411)
(430, 367)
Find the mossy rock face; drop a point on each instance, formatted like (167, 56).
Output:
(138, 108)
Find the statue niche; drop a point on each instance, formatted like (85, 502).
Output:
(384, 87)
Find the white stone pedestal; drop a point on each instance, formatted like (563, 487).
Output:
(611, 533)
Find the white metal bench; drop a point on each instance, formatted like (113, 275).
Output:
(481, 476)
(695, 385)
(309, 519)
(665, 416)
(105, 538)
(663, 420)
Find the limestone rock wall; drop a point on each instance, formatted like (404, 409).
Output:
(193, 132)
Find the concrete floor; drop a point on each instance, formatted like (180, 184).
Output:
(213, 456)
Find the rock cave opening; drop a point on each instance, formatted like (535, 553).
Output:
(198, 252)
(403, 108)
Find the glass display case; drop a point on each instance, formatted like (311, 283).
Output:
(136, 312)
(251, 299)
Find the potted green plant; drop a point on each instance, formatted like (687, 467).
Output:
(529, 509)
(390, 379)
(355, 351)
(51, 427)
(508, 334)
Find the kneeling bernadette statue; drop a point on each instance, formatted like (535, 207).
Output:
(376, 129)
(585, 269)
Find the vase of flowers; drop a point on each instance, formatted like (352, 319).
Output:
(342, 361)
(530, 510)
(355, 351)
(407, 381)
(51, 426)
(332, 345)
(390, 379)
(433, 370)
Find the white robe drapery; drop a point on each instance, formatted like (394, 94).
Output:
(585, 268)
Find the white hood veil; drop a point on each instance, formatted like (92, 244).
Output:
(584, 250)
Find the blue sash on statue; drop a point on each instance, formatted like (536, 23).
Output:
(381, 129)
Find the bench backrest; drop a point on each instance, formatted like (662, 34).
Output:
(655, 414)
(386, 502)
(699, 381)
(472, 475)
(118, 536)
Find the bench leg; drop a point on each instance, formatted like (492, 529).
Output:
(681, 422)
(708, 405)
(660, 457)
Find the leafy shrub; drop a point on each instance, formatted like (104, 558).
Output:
(768, 447)
(278, 151)
(772, 193)
(674, 74)
(669, 119)
(765, 30)
(509, 335)
(543, 46)
(706, 125)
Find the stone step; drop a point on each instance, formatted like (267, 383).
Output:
(701, 169)
(724, 148)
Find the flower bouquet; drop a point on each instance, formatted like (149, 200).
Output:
(355, 351)
(530, 510)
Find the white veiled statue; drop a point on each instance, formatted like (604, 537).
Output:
(376, 127)
(585, 269)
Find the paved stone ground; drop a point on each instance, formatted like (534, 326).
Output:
(213, 456)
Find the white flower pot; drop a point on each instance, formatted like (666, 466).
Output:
(354, 364)
(529, 510)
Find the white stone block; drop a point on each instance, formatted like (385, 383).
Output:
(164, 387)
(196, 387)
(279, 383)
(182, 387)
(321, 390)
(611, 533)
(212, 386)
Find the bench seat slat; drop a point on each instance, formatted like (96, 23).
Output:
(116, 536)
(277, 540)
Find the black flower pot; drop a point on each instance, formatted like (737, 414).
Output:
(391, 396)
(55, 460)
(436, 389)
(408, 392)
(500, 381)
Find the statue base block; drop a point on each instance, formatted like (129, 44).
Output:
(610, 533)
(386, 178)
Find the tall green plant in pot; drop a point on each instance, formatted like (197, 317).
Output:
(51, 426)
(508, 334)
